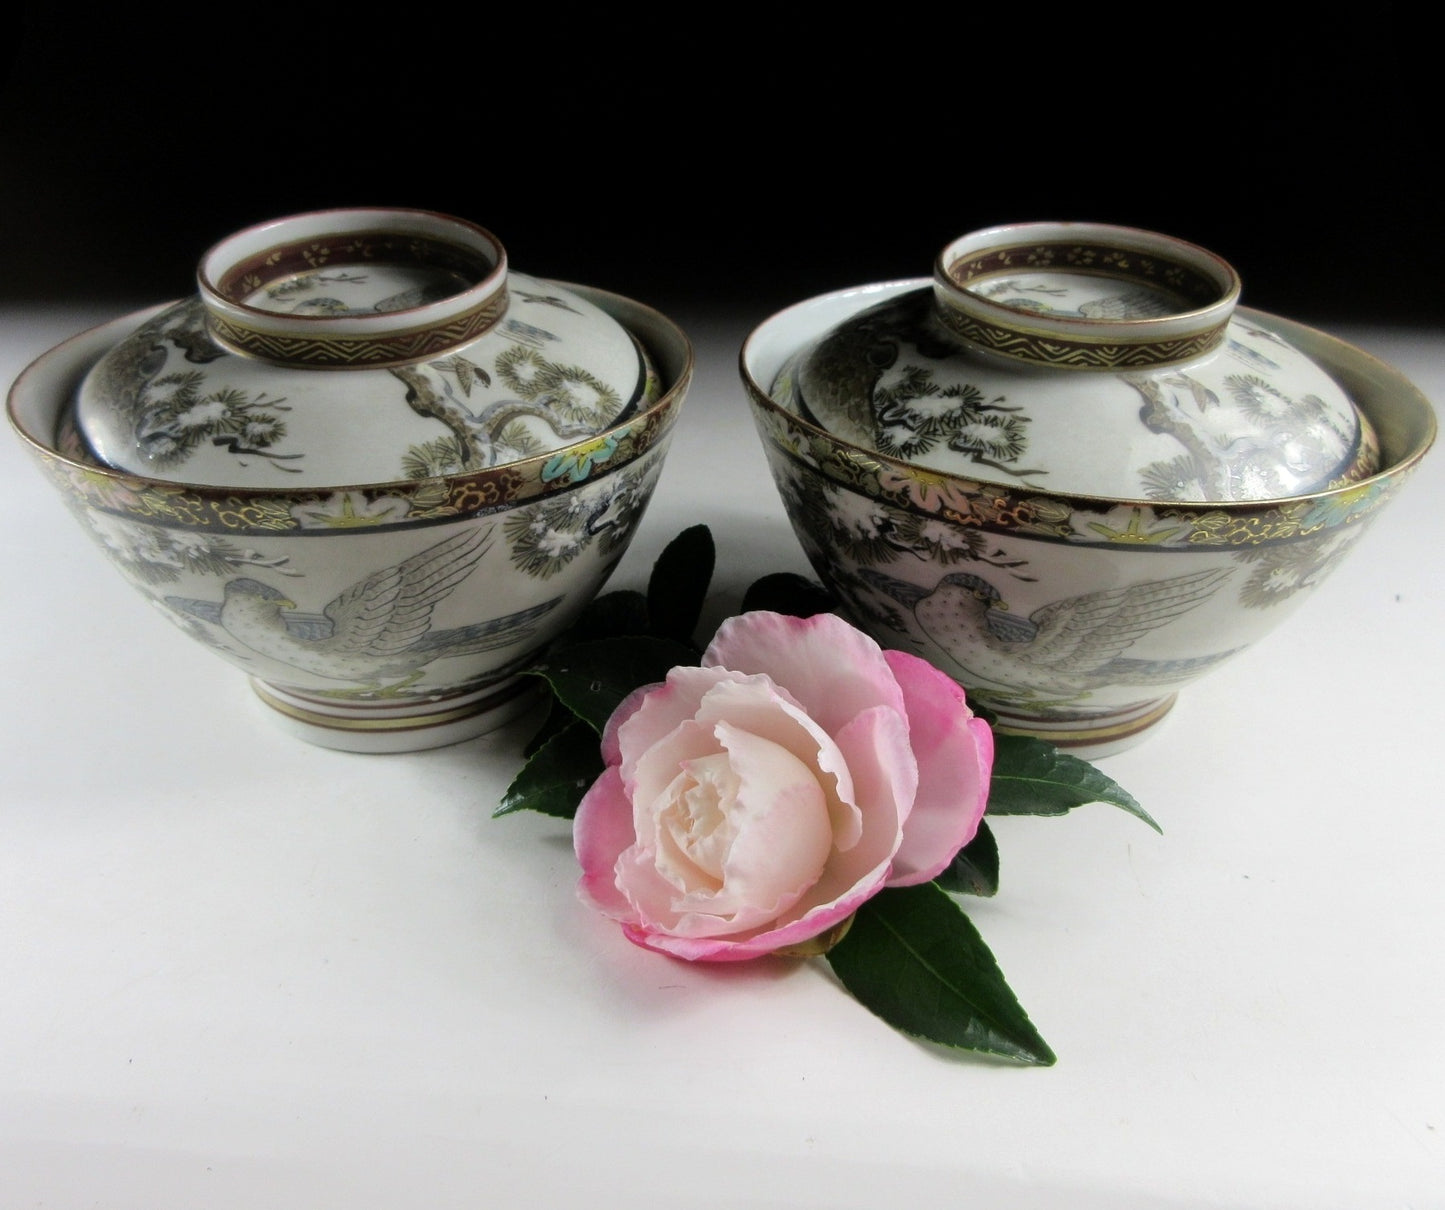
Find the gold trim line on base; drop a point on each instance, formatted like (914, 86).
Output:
(406, 722)
(1077, 737)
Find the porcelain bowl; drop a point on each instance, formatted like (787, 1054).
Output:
(1074, 618)
(376, 617)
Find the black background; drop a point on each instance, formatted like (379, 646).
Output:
(705, 160)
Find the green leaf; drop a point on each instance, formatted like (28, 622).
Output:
(592, 678)
(787, 592)
(913, 958)
(678, 587)
(610, 615)
(558, 717)
(974, 870)
(559, 773)
(1032, 777)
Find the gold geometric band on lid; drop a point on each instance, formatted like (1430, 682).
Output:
(362, 352)
(1198, 289)
(1080, 353)
(457, 271)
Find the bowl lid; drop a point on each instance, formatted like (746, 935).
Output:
(1085, 359)
(359, 346)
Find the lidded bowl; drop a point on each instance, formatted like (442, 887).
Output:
(359, 346)
(367, 462)
(1086, 359)
(1070, 469)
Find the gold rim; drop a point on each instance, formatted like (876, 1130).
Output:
(439, 498)
(1419, 443)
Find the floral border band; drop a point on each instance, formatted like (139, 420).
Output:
(997, 508)
(422, 501)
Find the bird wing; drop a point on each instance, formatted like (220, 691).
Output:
(901, 591)
(391, 609)
(1009, 629)
(308, 627)
(1083, 633)
(483, 636)
(207, 611)
(1159, 672)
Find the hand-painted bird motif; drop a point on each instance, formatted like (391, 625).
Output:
(1069, 646)
(376, 631)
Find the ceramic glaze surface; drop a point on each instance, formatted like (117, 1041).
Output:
(1050, 358)
(392, 607)
(1076, 617)
(253, 383)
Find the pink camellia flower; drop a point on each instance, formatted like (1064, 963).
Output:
(755, 802)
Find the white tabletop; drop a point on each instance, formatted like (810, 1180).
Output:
(239, 971)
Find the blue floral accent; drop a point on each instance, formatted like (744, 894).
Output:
(578, 462)
(1340, 508)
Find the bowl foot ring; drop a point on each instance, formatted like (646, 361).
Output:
(1088, 737)
(399, 726)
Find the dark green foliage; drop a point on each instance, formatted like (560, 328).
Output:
(787, 592)
(974, 870)
(913, 958)
(1032, 777)
(554, 781)
(678, 587)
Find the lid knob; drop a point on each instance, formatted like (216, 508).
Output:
(353, 288)
(1085, 296)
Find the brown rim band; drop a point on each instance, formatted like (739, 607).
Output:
(1194, 288)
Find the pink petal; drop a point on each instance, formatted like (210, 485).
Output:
(647, 778)
(693, 949)
(875, 746)
(739, 949)
(834, 670)
(785, 836)
(756, 704)
(601, 832)
(611, 749)
(955, 759)
(880, 758)
(647, 715)
(904, 764)
(651, 898)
